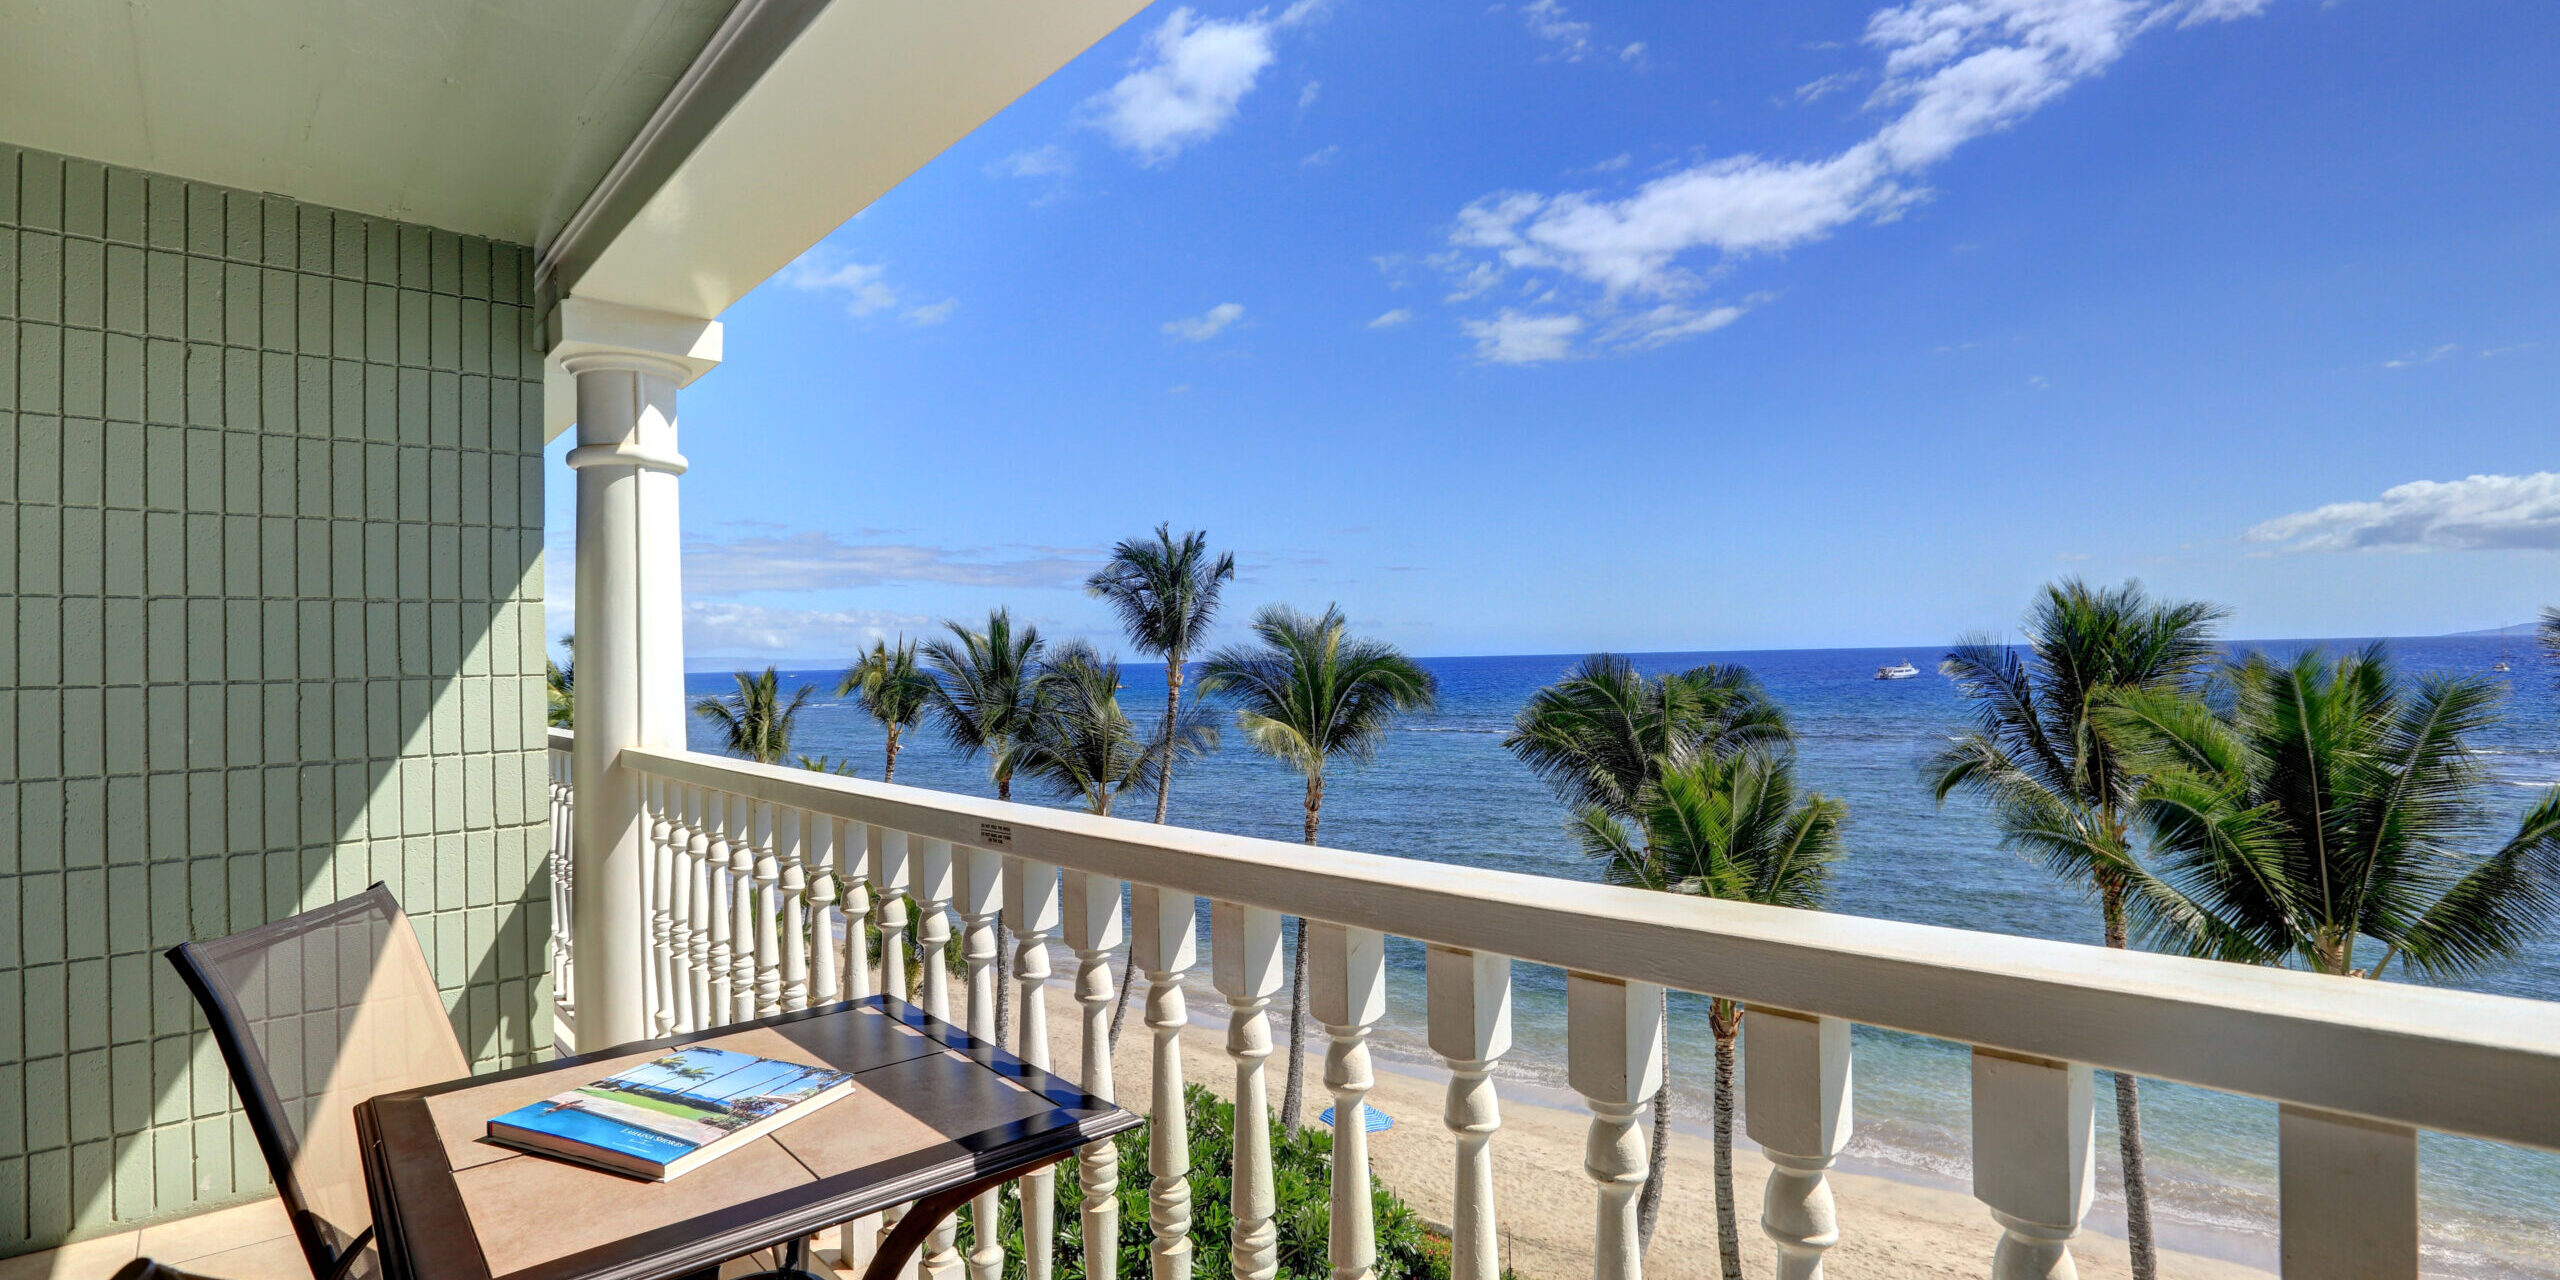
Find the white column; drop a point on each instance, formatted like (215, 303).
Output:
(2034, 1159)
(1795, 1104)
(1164, 944)
(853, 884)
(765, 830)
(1469, 1015)
(1031, 905)
(1093, 930)
(818, 858)
(747, 832)
(627, 364)
(929, 878)
(1613, 1046)
(1245, 961)
(788, 828)
(981, 904)
(2348, 1188)
(717, 858)
(1347, 994)
(664, 972)
(700, 987)
(682, 802)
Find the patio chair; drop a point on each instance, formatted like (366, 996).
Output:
(314, 1014)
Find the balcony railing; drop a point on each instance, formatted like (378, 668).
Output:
(755, 873)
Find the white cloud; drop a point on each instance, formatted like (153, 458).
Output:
(2423, 357)
(1612, 164)
(726, 627)
(1632, 53)
(819, 271)
(1206, 325)
(1817, 90)
(1547, 21)
(1321, 157)
(1190, 78)
(1518, 337)
(1047, 161)
(1307, 93)
(822, 561)
(932, 313)
(2481, 513)
(1952, 71)
(1391, 319)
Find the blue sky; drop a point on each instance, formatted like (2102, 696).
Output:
(1558, 327)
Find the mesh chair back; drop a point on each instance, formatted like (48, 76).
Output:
(315, 1014)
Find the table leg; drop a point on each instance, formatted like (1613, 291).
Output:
(900, 1245)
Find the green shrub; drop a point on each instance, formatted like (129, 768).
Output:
(1302, 1180)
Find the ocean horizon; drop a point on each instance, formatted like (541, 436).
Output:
(1444, 790)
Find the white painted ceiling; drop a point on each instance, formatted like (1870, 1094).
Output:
(489, 117)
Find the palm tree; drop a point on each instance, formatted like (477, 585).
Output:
(1307, 693)
(2547, 632)
(1083, 745)
(1602, 737)
(892, 691)
(2057, 785)
(755, 720)
(1166, 593)
(1730, 827)
(982, 690)
(2319, 804)
(828, 764)
(560, 685)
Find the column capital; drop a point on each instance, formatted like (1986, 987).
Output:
(592, 335)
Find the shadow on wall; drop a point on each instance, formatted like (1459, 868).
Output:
(273, 631)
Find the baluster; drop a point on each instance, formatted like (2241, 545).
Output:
(724, 945)
(981, 902)
(792, 926)
(666, 837)
(1032, 904)
(1245, 962)
(1093, 929)
(853, 898)
(1470, 1029)
(767, 834)
(703, 961)
(2034, 1159)
(1347, 994)
(889, 879)
(930, 881)
(650, 833)
(745, 839)
(2347, 1189)
(818, 859)
(1164, 942)
(1613, 1039)
(563, 791)
(1795, 1104)
(680, 969)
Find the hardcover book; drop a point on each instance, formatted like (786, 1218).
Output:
(673, 1113)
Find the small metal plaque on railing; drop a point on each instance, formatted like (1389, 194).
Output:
(995, 835)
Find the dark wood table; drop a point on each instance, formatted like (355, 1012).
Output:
(936, 1117)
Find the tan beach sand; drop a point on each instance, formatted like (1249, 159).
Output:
(1888, 1229)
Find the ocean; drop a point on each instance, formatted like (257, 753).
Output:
(1443, 789)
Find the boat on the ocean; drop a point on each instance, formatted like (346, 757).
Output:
(1902, 670)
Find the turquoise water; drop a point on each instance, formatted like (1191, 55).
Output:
(1444, 790)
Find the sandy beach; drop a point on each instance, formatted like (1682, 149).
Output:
(1888, 1227)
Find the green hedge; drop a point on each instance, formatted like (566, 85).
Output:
(1302, 1184)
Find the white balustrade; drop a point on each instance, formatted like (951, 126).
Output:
(1613, 1036)
(2349, 1191)
(756, 873)
(1031, 907)
(1164, 942)
(1092, 918)
(2034, 1159)
(981, 904)
(1246, 964)
(1469, 1014)
(1795, 1104)
(1347, 994)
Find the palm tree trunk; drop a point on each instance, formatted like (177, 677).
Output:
(2137, 1185)
(1658, 1161)
(1294, 1095)
(1728, 1243)
(1172, 712)
(889, 771)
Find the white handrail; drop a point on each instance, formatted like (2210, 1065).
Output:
(2453, 1061)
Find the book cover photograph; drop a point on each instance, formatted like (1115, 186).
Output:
(672, 1113)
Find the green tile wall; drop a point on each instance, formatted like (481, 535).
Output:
(270, 630)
